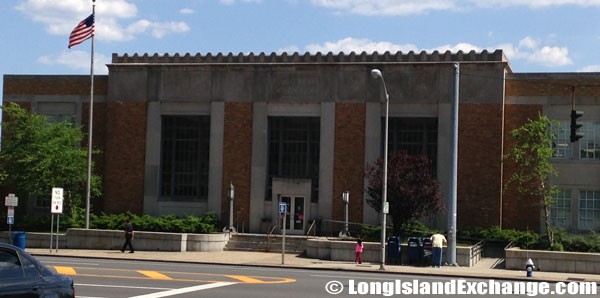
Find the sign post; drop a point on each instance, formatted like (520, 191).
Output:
(283, 211)
(10, 201)
(56, 208)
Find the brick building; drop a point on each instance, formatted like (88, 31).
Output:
(175, 131)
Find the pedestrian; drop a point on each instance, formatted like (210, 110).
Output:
(437, 242)
(128, 235)
(358, 249)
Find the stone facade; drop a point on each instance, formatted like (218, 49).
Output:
(240, 93)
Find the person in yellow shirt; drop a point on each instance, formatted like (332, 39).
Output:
(437, 242)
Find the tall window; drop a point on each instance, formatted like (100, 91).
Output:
(294, 151)
(589, 145)
(417, 136)
(561, 143)
(185, 150)
(57, 118)
(589, 210)
(560, 211)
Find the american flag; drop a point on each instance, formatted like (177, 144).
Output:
(83, 31)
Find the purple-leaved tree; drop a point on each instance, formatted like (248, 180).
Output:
(413, 191)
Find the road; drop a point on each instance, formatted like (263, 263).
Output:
(123, 278)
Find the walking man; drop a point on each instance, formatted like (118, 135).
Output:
(128, 234)
(437, 242)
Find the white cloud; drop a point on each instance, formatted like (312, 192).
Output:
(289, 49)
(230, 2)
(350, 44)
(61, 16)
(534, 3)
(385, 7)
(550, 56)
(591, 68)
(186, 11)
(527, 49)
(406, 7)
(528, 42)
(78, 60)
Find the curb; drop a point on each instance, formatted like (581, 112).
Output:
(441, 274)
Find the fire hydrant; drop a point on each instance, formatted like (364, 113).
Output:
(529, 266)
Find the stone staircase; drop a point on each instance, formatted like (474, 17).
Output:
(263, 242)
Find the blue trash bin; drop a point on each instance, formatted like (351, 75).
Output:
(427, 252)
(393, 250)
(19, 239)
(415, 248)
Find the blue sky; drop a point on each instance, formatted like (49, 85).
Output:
(536, 35)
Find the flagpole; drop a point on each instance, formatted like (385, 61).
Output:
(89, 165)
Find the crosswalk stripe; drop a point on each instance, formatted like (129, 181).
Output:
(154, 275)
(65, 270)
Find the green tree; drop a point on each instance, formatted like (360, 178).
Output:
(413, 191)
(531, 155)
(37, 155)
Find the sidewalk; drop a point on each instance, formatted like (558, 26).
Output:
(481, 270)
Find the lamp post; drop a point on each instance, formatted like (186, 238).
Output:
(376, 73)
(346, 201)
(230, 195)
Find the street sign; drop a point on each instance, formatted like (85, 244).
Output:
(57, 200)
(282, 208)
(11, 200)
(10, 220)
(11, 211)
(386, 207)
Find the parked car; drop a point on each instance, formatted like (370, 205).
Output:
(21, 275)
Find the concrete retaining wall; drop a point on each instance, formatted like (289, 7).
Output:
(207, 242)
(554, 261)
(38, 240)
(344, 251)
(113, 240)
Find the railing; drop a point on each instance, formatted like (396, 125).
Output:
(269, 237)
(312, 225)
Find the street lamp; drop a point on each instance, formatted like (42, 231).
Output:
(376, 73)
(230, 195)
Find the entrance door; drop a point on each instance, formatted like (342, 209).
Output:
(295, 217)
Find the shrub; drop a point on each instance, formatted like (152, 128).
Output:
(523, 239)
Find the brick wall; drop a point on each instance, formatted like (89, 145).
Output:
(237, 159)
(54, 85)
(124, 157)
(349, 159)
(479, 165)
(518, 211)
(98, 143)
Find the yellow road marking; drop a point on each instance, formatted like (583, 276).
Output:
(246, 279)
(148, 275)
(154, 275)
(65, 270)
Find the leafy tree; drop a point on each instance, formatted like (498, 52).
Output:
(37, 155)
(531, 155)
(413, 192)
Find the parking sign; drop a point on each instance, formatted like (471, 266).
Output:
(57, 200)
(10, 220)
(282, 208)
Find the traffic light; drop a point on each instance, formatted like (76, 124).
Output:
(576, 125)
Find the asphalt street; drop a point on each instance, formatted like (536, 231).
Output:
(122, 278)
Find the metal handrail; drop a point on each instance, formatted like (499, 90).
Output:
(269, 237)
(310, 228)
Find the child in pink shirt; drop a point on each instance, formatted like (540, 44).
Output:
(358, 249)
